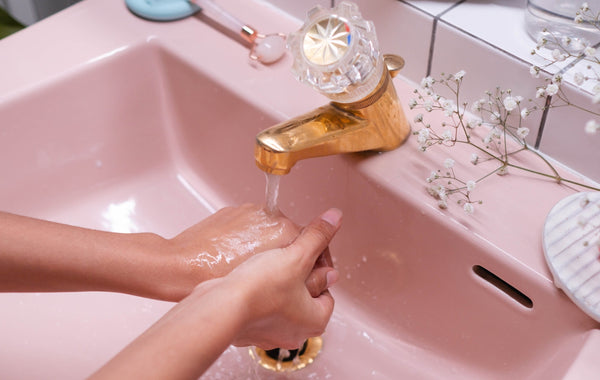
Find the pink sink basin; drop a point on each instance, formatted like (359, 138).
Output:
(154, 137)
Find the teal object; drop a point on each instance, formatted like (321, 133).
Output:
(162, 10)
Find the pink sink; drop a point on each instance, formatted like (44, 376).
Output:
(146, 131)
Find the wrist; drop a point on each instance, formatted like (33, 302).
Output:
(163, 274)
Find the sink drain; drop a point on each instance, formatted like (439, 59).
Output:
(280, 360)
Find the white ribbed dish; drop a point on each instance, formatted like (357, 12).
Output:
(571, 241)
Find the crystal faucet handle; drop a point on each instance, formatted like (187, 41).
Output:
(337, 53)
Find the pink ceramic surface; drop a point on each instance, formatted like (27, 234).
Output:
(152, 128)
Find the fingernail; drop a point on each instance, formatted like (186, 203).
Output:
(332, 216)
(332, 277)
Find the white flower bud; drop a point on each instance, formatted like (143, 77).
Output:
(589, 51)
(448, 163)
(510, 103)
(552, 89)
(459, 75)
(522, 132)
(468, 207)
(592, 127)
(474, 158)
(540, 93)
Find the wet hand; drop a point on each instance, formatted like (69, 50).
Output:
(219, 243)
(285, 291)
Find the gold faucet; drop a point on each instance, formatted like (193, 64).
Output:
(375, 122)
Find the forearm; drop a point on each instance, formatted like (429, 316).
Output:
(37, 255)
(185, 342)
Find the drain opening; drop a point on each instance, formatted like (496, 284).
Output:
(280, 360)
(504, 286)
(286, 355)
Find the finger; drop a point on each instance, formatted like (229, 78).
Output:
(315, 237)
(324, 259)
(324, 308)
(320, 279)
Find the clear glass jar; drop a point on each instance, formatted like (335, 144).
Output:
(543, 17)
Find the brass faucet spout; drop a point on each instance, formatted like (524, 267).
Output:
(376, 122)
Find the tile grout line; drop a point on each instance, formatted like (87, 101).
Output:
(538, 138)
(436, 18)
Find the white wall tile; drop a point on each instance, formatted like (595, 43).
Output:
(564, 137)
(402, 30)
(432, 7)
(500, 23)
(298, 8)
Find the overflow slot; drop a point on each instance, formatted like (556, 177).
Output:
(504, 286)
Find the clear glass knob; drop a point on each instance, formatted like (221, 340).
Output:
(336, 52)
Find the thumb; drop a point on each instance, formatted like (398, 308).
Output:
(315, 237)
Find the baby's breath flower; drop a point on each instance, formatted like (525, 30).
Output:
(474, 122)
(577, 44)
(448, 106)
(502, 171)
(540, 93)
(592, 127)
(496, 133)
(589, 51)
(459, 75)
(412, 103)
(552, 89)
(427, 82)
(585, 7)
(428, 105)
(522, 132)
(578, 19)
(447, 135)
(468, 207)
(471, 185)
(418, 118)
(476, 106)
(510, 103)
(557, 78)
(448, 163)
(541, 41)
(524, 113)
(534, 71)
(558, 56)
(437, 191)
(578, 78)
(432, 177)
(423, 135)
(474, 158)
